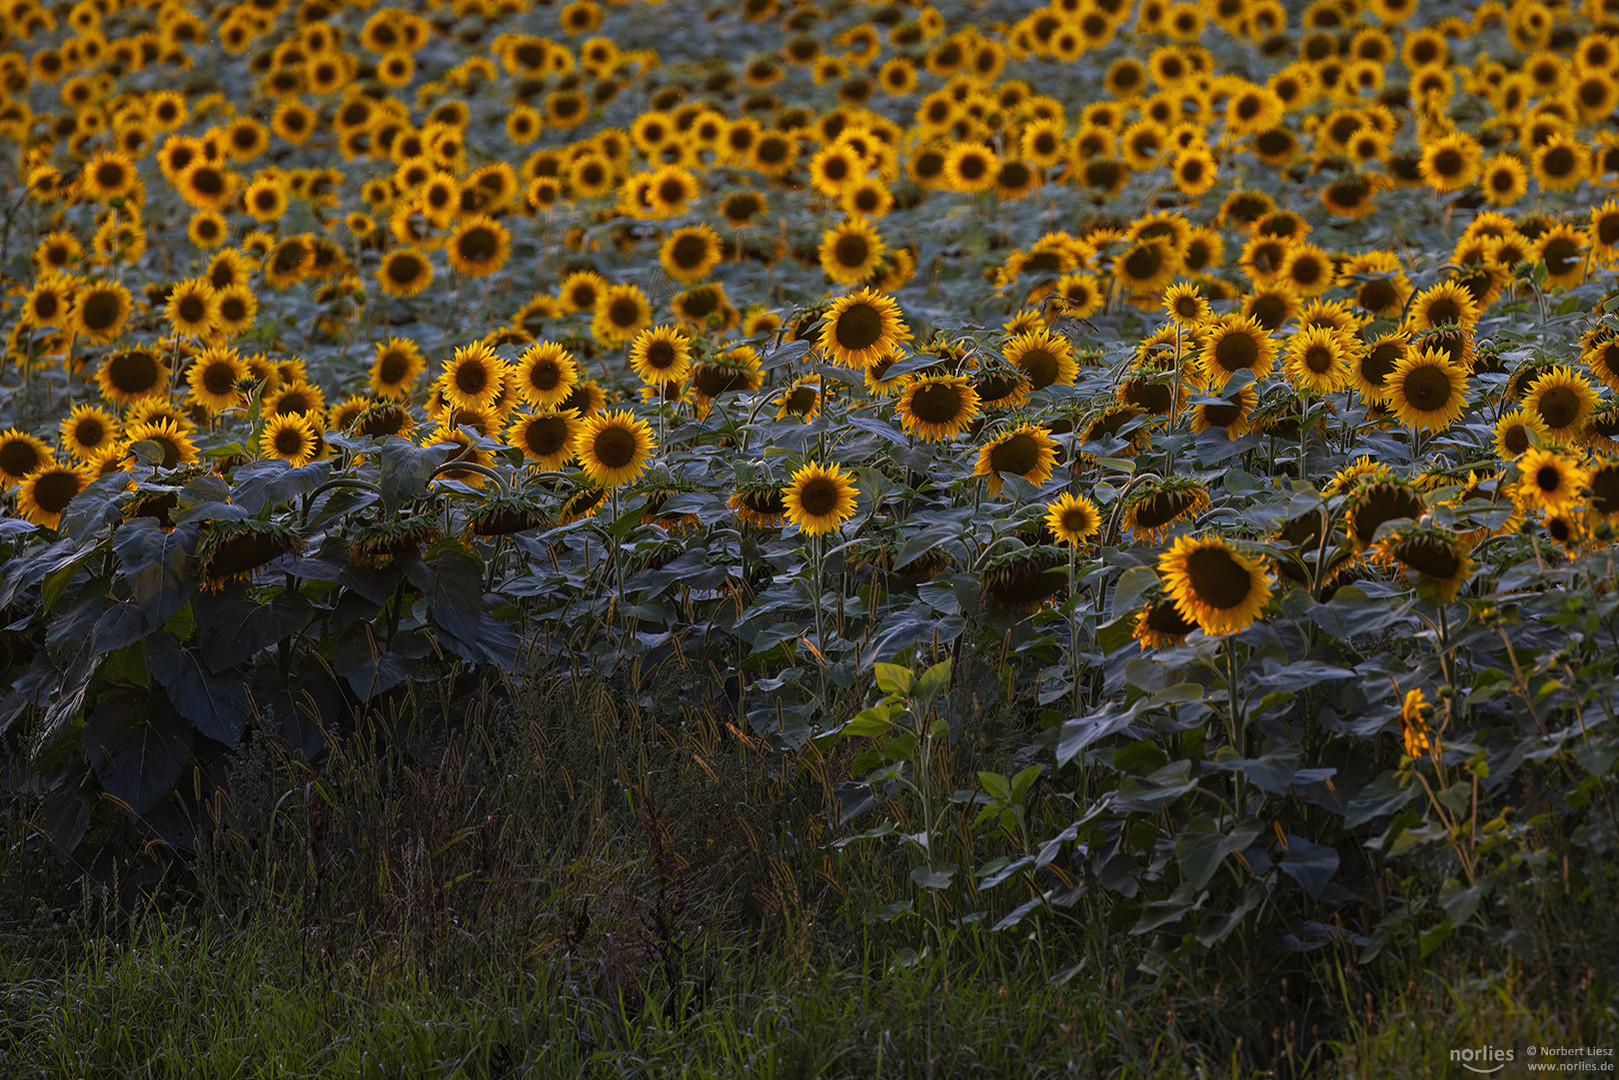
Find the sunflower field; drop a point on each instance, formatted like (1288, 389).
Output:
(1149, 468)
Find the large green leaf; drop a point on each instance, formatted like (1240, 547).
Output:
(137, 753)
(156, 563)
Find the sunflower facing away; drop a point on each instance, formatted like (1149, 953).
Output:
(819, 499)
(1213, 584)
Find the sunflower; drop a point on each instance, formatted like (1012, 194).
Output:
(1563, 249)
(88, 430)
(206, 185)
(1562, 399)
(614, 448)
(177, 447)
(819, 499)
(850, 252)
(474, 377)
(193, 308)
(970, 167)
(1027, 451)
(1426, 389)
(547, 437)
(1231, 412)
(1156, 508)
(235, 310)
(1377, 498)
(861, 327)
(130, 374)
(1447, 303)
(405, 272)
(1435, 554)
(938, 407)
(21, 454)
(1236, 343)
(100, 310)
(621, 313)
(1147, 266)
(1505, 180)
(1044, 358)
(1072, 519)
(213, 378)
(1450, 162)
(1159, 623)
(290, 438)
(1551, 480)
(1213, 584)
(1415, 717)
(46, 492)
(1186, 305)
(109, 175)
(689, 253)
(1513, 433)
(801, 400)
(50, 301)
(1318, 360)
(661, 355)
(546, 375)
(479, 246)
(397, 366)
(1558, 163)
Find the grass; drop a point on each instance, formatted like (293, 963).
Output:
(569, 886)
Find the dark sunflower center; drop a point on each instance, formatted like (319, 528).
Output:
(1548, 478)
(132, 373)
(819, 497)
(801, 400)
(860, 326)
(661, 355)
(1144, 262)
(547, 435)
(1014, 175)
(193, 308)
(100, 310)
(1018, 454)
(1218, 580)
(1608, 229)
(289, 442)
(1319, 359)
(624, 312)
(689, 251)
(1559, 407)
(1448, 162)
(46, 305)
(1076, 519)
(1381, 503)
(851, 250)
(1162, 507)
(937, 403)
(54, 490)
(1562, 255)
(1269, 311)
(1558, 162)
(89, 432)
(836, 168)
(1165, 618)
(1605, 490)
(1427, 388)
(972, 167)
(1040, 365)
(545, 375)
(1236, 351)
(1379, 295)
(219, 378)
(472, 378)
(111, 175)
(18, 458)
(672, 191)
(1515, 439)
(478, 245)
(1429, 556)
(614, 447)
(209, 181)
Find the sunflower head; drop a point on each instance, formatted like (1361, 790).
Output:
(819, 499)
(1214, 584)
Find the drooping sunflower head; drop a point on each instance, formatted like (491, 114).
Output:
(1159, 623)
(1156, 508)
(1214, 584)
(1435, 555)
(1022, 580)
(761, 505)
(1378, 498)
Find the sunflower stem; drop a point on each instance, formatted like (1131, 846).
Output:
(817, 554)
(1234, 722)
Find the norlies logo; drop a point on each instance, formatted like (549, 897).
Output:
(1482, 1059)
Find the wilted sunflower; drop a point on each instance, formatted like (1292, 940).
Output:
(1563, 400)
(1551, 480)
(233, 550)
(801, 400)
(46, 492)
(1426, 390)
(850, 252)
(1376, 499)
(761, 505)
(1214, 584)
(290, 438)
(1435, 554)
(614, 448)
(819, 499)
(1028, 451)
(1159, 623)
(1157, 507)
(860, 327)
(1021, 580)
(938, 407)
(661, 355)
(1415, 715)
